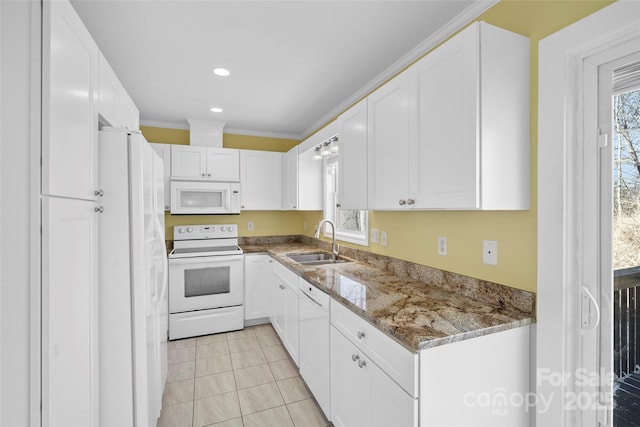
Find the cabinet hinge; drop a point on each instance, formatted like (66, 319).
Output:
(603, 139)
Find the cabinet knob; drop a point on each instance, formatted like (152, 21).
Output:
(338, 205)
(209, 175)
(99, 209)
(202, 174)
(282, 287)
(98, 193)
(166, 208)
(362, 363)
(360, 335)
(410, 201)
(294, 206)
(355, 357)
(242, 207)
(402, 202)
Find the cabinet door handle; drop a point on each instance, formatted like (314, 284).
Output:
(360, 334)
(402, 202)
(99, 209)
(362, 363)
(98, 193)
(410, 201)
(355, 357)
(282, 287)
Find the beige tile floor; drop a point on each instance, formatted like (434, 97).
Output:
(236, 379)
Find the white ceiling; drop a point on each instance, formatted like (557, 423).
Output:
(294, 64)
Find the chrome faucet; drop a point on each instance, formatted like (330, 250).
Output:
(334, 251)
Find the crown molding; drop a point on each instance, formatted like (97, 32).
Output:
(476, 9)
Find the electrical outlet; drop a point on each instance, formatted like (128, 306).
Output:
(250, 225)
(383, 238)
(305, 225)
(490, 252)
(442, 245)
(375, 235)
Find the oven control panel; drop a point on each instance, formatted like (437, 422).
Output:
(213, 231)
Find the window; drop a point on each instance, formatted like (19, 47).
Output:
(351, 225)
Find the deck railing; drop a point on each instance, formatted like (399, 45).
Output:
(626, 321)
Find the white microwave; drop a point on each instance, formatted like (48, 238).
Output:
(207, 198)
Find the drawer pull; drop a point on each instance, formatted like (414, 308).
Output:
(360, 335)
(362, 363)
(355, 357)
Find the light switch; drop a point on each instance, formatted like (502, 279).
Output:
(442, 245)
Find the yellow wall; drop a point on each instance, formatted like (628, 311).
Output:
(413, 235)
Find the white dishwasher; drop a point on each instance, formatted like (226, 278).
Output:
(313, 308)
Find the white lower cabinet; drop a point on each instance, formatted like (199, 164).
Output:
(362, 394)
(69, 312)
(480, 382)
(258, 285)
(285, 308)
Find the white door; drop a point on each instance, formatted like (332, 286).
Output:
(291, 323)
(350, 384)
(70, 110)
(258, 278)
(188, 162)
(388, 145)
(390, 404)
(278, 300)
(69, 312)
(261, 180)
(352, 180)
(444, 151)
(223, 164)
(290, 179)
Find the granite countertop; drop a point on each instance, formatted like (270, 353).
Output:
(418, 306)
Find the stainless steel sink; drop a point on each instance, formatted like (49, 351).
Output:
(315, 258)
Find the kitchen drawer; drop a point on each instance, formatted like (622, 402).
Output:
(287, 276)
(395, 360)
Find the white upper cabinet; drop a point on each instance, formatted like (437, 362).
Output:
(261, 180)
(309, 182)
(352, 180)
(223, 164)
(69, 102)
(205, 163)
(115, 106)
(470, 115)
(290, 179)
(452, 131)
(188, 162)
(388, 144)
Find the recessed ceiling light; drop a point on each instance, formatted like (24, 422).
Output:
(222, 72)
(216, 110)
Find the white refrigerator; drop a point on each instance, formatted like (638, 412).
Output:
(132, 281)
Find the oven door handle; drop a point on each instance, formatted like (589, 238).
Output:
(209, 260)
